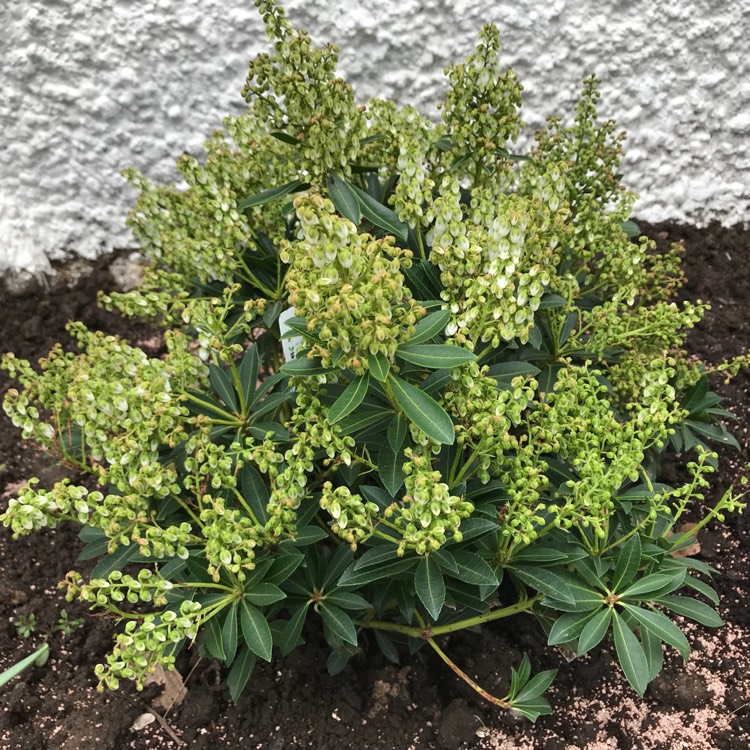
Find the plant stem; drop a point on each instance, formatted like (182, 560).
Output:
(428, 632)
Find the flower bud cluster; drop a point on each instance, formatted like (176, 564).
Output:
(146, 645)
(494, 273)
(352, 516)
(118, 587)
(296, 91)
(482, 103)
(348, 287)
(428, 513)
(311, 431)
(486, 415)
(231, 538)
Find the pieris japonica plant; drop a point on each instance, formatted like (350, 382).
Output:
(413, 382)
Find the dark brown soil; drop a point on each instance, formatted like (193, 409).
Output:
(294, 703)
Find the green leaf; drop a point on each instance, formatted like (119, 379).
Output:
(284, 564)
(38, 658)
(594, 630)
(364, 419)
(544, 580)
(505, 372)
(390, 468)
(423, 411)
(473, 569)
(307, 535)
(212, 641)
(116, 560)
(533, 709)
(628, 562)
(430, 586)
(240, 673)
(350, 399)
(430, 326)
(229, 634)
(651, 584)
(378, 365)
(702, 588)
(344, 199)
(654, 652)
(338, 622)
(631, 228)
(222, 384)
(397, 433)
(568, 627)
(356, 578)
(381, 216)
(630, 655)
(435, 356)
(248, 372)
(386, 646)
(290, 635)
(347, 600)
(535, 686)
(304, 367)
(255, 493)
(692, 609)
(264, 594)
(280, 135)
(255, 630)
(267, 196)
(662, 627)
(259, 430)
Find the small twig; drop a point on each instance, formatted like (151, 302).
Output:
(184, 685)
(165, 726)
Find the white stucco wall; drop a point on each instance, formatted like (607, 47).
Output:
(90, 86)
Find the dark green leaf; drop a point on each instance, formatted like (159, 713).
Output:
(435, 356)
(378, 365)
(255, 492)
(347, 600)
(116, 560)
(430, 326)
(264, 594)
(654, 652)
(284, 564)
(307, 535)
(211, 639)
(338, 622)
(535, 686)
(248, 372)
(533, 709)
(505, 372)
(631, 228)
(350, 399)
(352, 578)
(229, 634)
(364, 419)
(390, 468)
(423, 411)
(260, 199)
(240, 673)
(280, 135)
(304, 367)
(628, 562)
(594, 630)
(651, 584)
(662, 627)
(544, 580)
(630, 655)
(470, 568)
(222, 384)
(430, 586)
(290, 635)
(551, 301)
(261, 430)
(397, 433)
(692, 609)
(568, 627)
(381, 216)
(386, 646)
(344, 199)
(255, 630)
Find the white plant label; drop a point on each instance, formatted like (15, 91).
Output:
(292, 344)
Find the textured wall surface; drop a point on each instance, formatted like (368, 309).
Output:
(90, 86)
